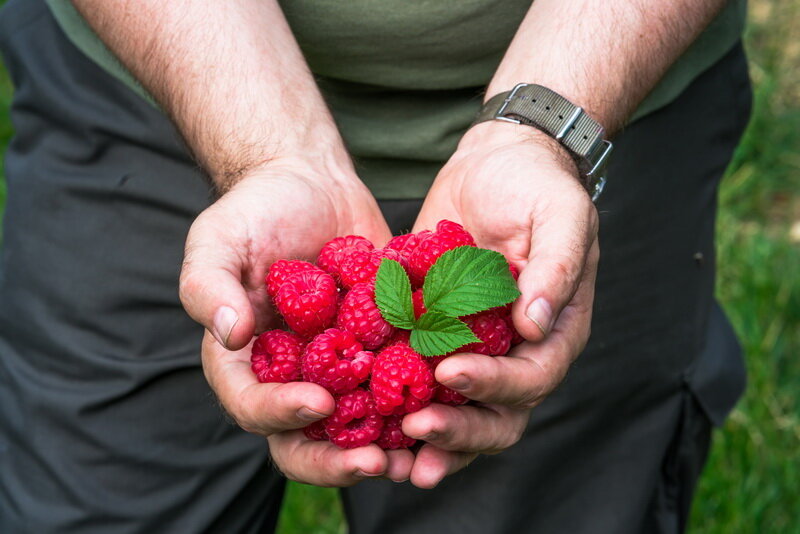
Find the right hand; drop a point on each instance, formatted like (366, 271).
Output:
(288, 208)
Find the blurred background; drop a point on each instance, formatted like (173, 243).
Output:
(752, 480)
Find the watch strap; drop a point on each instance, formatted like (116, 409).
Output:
(542, 108)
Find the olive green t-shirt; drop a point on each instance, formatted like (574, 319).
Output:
(404, 79)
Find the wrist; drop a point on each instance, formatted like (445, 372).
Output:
(490, 136)
(323, 160)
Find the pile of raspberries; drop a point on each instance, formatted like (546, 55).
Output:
(337, 337)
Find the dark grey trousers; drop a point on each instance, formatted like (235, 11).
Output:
(106, 422)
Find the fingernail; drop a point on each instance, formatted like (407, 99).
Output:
(457, 382)
(400, 481)
(361, 473)
(224, 321)
(307, 414)
(541, 314)
(430, 436)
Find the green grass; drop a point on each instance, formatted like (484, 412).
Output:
(752, 480)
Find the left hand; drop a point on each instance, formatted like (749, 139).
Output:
(517, 192)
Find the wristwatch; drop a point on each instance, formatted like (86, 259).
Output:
(546, 110)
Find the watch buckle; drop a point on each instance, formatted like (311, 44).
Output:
(499, 115)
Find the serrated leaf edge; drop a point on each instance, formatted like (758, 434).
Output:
(406, 323)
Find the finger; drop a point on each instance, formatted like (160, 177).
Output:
(256, 407)
(211, 287)
(400, 463)
(432, 464)
(486, 429)
(520, 380)
(561, 239)
(322, 463)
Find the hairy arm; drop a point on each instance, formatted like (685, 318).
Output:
(230, 75)
(602, 56)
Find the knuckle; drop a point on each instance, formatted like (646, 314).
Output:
(189, 284)
(529, 401)
(567, 270)
(248, 419)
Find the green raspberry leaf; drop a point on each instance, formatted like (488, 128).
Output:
(393, 294)
(468, 280)
(435, 334)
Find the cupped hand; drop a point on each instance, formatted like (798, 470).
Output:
(278, 411)
(518, 192)
(287, 209)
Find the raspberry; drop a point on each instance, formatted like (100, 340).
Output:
(516, 337)
(406, 243)
(360, 267)
(401, 381)
(355, 422)
(418, 301)
(336, 361)
(505, 311)
(316, 431)
(336, 249)
(307, 301)
(359, 315)
(283, 269)
(392, 436)
(400, 336)
(491, 328)
(448, 235)
(444, 394)
(276, 356)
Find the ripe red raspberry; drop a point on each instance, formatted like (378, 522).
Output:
(316, 431)
(505, 312)
(406, 243)
(359, 315)
(338, 248)
(516, 337)
(392, 436)
(307, 302)
(283, 269)
(336, 361)
(400, 336)
(401, 381)
(361, 267)
(493, 331)
(418, 300)
(444, 394)
(448, 235)
(355, 422)
(276, 356)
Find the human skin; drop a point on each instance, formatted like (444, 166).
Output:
(260, 129)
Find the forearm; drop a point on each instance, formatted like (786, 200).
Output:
(602, 56)
(231, 76)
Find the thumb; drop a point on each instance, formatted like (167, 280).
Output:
(560, 245)
(212, 293)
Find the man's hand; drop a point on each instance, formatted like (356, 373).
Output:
(278, 411)
(518, 193)
(287, 209)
